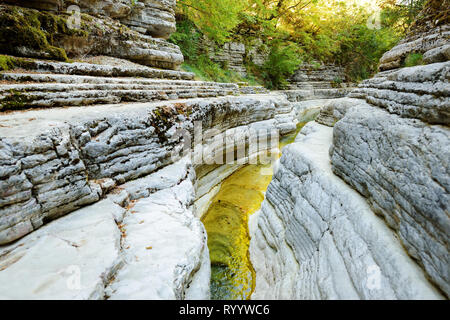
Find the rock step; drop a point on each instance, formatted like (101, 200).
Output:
(62, 87)
(93, 97)
(311, 85)
(253, 90)
(30, 90)
(99, 70)
(76, 79)
(314, 94)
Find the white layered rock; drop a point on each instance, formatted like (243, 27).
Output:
(54, 162)
(335, 109)
(431, 43)
(401, 167)
(231, 53)
(317, 77)
(143, 242)
(71, 258)
(155, 17)
(164, 244)
(101, 31)
(317, 238)
(421, 92)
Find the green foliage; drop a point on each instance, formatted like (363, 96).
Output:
(413, 59)
(293, 31)
(361, 48)
(400, 17)
(216, 18)
(207, 70)
(282, 62)
(14, 101)
(187, 37)
(7, 63)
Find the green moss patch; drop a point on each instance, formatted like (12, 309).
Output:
(413, 59)
(32, 33)
(14, 101)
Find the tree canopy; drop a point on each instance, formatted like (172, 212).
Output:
(350, 33)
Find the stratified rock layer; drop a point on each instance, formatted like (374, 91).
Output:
(421, 92)
(429, 37)
(142, 242)
(317, 77)
(56, 34)
(231, 55)
(153, 17)
(316, 238)
(401, 166)
(54, 162)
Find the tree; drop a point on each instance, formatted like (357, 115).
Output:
(215, 18)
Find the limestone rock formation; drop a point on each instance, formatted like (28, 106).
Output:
(316, 238)
(420, 92)
(312, 82)
(101, 33)
(156, 18)
(231, 55)
(429, 36)
(317, 77)
(117, 248)
(334, 110)
(400, 165)
(395, 150)
(59, 166)
(153, 17)
(71, 258)
(318, 235)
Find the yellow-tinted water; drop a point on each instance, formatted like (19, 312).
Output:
(226, 221)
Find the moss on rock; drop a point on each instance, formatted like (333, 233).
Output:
(29, 32)
(15, 101)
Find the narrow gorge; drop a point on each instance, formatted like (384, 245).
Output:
(123, 177)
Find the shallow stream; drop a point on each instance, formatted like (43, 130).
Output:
(226, 221)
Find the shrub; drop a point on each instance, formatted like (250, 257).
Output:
(413, 59)
(282, 62)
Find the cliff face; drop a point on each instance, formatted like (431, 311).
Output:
(123, 29)
(318, 235)
(152, 17)
(317, 238)
(429, 36)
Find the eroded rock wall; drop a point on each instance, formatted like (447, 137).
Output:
(317, 238)
(61, 165)
(429, 36)
(401, 166)
(317, 77)
(117, 29)
(152, 17)
(126, 161)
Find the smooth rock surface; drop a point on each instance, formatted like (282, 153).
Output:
(164, 244)
(143, 241)
(335, 109)
(71, 258)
